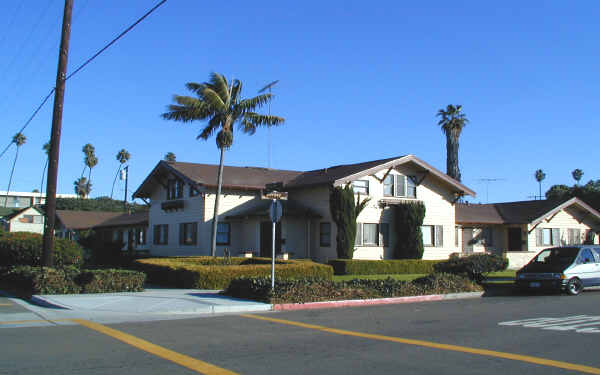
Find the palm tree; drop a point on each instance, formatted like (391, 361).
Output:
(122, 157)
(46, 148)
(453, 121)
(82, 187)
(577, 174)
(539, 177)
(90, 161)
(19, 139)
(170, 157)
(87, 150)
(220, 104)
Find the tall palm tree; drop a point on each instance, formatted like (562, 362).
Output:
(169, 156)
(87, 149)
(46, 149)
(82, 187)
(539, 177)
(453, 121)
(577, 174)
(19, 140)
(122, 157)
(220, 104)
(90, 161)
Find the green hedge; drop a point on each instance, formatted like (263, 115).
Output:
(217, 273)
(474, 266)
(315, 290)
(381, 267)
(27, 280)
(24, 248)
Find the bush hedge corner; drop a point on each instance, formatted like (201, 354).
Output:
(24, 248)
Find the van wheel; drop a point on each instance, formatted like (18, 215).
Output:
(574, 286)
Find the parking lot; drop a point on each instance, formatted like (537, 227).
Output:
(468, 336)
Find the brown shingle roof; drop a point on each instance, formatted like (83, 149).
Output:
(136, 218)
(77, 220)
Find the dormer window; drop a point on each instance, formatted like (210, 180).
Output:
(399, 186)
(174, 189)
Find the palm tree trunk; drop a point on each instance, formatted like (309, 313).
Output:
(452, 168)
(213, 247)
(89, 181)
(42, 182)
(114, 181)
(11, 176)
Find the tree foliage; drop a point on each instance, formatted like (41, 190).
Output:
(577, 175)
(95, 204)
(409, 238)
(169, 156)
(344, 211)
(452, 122)
(589, 193)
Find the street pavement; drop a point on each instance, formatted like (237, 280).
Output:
(489, 335)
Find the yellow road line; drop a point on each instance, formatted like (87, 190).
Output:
(159, 351)
(429, 344)
(5, 304)
(33, 321)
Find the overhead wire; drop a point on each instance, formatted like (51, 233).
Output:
(78, 69)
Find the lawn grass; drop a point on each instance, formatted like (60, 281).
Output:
(401, 277)
(506, 273)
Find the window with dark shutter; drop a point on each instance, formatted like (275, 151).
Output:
(384, 234)
(439, 236)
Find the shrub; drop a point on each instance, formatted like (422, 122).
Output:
(315, 290)
(210, 273)
(381, 267)
(409, 219)
(344, 212)
(474, 266)
(27, 280)
(24, 248)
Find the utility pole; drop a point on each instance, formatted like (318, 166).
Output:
(59, 97)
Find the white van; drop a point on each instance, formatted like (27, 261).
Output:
(568, 268)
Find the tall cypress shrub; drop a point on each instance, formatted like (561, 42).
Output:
(409, 218)
(344, 212)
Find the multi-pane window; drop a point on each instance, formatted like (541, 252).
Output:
(223, 234)
(433, 235)
(32, 219)
(399, 186)
(161, 234)
(325, 234)
(370, 234)
(188, 233)
(361, 187)
(547, 236)
(174, 189)
(574, 236)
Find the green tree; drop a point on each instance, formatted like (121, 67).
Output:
(452, 122)
(122, 157)
(82, 187)
(88, 149)
(577, 175)
(19, 140)
(344, 211)
(539, 177)
(170, 157)
(46, 149)
(220, 104)
(408, 221)
(90, 161)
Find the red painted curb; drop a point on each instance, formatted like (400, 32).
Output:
(355, 302)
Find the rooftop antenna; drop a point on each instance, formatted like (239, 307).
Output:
(487, 185)
(268, 87)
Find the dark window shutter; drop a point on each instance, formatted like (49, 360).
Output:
(538, 237)
(195, 234)
(181, 233)
(166, 234)
(358, 234)
(555, 236)
(439, 236)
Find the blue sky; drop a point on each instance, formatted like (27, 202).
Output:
(359, 81)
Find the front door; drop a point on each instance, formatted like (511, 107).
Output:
(468, 241)
(266, 238)
(514, 239)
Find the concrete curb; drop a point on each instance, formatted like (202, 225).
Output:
(373, 302)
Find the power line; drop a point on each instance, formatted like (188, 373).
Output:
(84, 65)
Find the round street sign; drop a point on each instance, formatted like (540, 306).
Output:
(275, 211)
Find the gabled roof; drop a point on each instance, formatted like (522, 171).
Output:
(254, 178)
(78, 220)
(524, 212)
(136, 218)
(19, 212)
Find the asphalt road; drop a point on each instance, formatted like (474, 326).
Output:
(423, 338)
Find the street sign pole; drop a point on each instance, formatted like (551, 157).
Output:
(274, 224)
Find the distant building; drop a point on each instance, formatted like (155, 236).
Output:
(19, 199)
(28, 219)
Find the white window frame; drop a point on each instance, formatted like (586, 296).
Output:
(356, 187)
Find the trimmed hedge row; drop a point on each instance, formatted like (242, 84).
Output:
(217, 273)
(27, 281)
(474, 266)
(315, 290)
(24, 248)
(381, 267)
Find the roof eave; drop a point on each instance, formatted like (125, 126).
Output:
(562, 206)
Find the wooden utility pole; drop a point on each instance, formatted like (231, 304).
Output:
(59, 96)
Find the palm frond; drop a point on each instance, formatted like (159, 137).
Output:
(197, 88)
(263, 120)
(214, 100)
(210, 129)
(236, 90)
(187, 109)
(251, 104)
(218, 83)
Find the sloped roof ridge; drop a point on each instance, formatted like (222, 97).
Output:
(231, 166)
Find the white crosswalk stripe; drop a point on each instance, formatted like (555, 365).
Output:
(577, 323)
